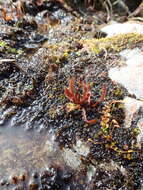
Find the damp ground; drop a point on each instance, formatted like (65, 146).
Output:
(45, 140)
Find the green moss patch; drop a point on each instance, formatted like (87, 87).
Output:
(115, 43)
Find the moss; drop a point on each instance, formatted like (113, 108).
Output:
(136, 131)
(3, 43)
(115, 43)
(57, 53)
(118, 92)
(5, 47)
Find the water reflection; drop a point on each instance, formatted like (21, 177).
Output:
(23, 151)
(27, 151)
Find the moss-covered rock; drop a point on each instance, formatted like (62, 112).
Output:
(114, 44)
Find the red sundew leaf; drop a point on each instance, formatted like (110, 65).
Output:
(94, 105)
(85, 98)
(71, 85)
(68, 94)
(4, 15)
(71, 88)
(86, 93)
(77, 98)
(89, 98)
(85, 87)
(92, 121)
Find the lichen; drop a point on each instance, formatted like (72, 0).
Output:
(115, 43)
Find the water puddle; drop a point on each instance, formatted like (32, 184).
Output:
(29, 151)
(24, 151)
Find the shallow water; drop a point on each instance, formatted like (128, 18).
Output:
(30, 151)
(23, 151)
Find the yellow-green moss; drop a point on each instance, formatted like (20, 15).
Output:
(115, 43)
(5, 47)
(57, 52)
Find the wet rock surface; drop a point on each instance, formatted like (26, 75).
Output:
(48, 139)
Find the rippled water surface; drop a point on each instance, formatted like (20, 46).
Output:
(22, 151)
